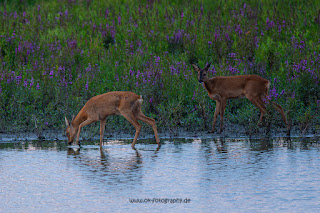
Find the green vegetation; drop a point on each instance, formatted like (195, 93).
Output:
(55, 55)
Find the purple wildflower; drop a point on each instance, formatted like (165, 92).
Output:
(25, 83)
(116, 77)
(31, 83)
(87, 85)
(216, 35)
(269, 23)
(194, 95)
(157, 60)
(106, 13)
(279, 28)
(72, 44)
(119, 20)
(89, 68)
(51, 73)
(194, 108)
(19, 47)
(227, 37)
(131, 72)
(238, 30)
(18, 79)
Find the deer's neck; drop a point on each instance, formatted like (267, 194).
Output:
(209, 85)
(75, 125)
(78, 120)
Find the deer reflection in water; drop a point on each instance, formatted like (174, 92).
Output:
(109, 166)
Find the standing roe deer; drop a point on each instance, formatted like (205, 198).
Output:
(127, 104)
(222, 88)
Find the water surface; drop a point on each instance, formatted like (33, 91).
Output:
(205, 175)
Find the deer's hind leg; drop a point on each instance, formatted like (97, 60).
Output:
(132, 119)
(140, 116)
(256, 100)
(280, 110)
(223, 105)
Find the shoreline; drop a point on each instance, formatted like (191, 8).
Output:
(232, 132)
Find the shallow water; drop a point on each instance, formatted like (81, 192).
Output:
(205, 175)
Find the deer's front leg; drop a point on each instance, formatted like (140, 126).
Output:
(84, 123)
(217, 98)
(216, 113)
(102, 127)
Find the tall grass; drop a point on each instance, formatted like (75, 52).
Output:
(55, 55)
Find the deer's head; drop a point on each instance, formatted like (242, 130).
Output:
(202, 73)
(70, 131)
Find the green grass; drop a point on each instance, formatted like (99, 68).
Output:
(55, 55)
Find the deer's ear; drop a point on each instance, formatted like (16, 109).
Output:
(208, 66)
(67, 122)
(196, 67)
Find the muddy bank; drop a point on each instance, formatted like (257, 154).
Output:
(232, 131)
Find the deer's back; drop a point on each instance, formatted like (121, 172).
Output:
(111, 103)
(236, 86)
(239, 81)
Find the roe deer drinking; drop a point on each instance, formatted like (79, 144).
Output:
(98, 108)
(222, 88)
